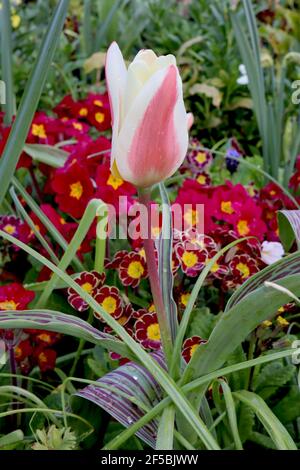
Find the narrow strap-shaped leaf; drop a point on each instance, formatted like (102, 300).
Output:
(271, 423)
(231, 412)
(6, 60)
(165, 434)
(165, 262)
(289, 227)
(116, 442)
(62, 242)
(235, 325)
(286, 266)
(94, 208)
(51, 320)
(30, 98)
(165, 381)
(52, 156)
(175, 365)
(143, 393)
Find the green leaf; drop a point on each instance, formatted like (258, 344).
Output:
(231, 412)
(52, 156)
(246, 421)
(238, 380)
(202, 323)
(166, 382)
(288, 409)
(6, 60)
(95, 208)
(165, 262)
(235, 325)
(289, 227)
(286, 266)
(50, 320)
(273, 426)
(11, 438)
(165, 433)
(271, 377)
(30, 99)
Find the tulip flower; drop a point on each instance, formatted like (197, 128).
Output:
(149, 121)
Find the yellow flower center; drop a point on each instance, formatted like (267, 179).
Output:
(201, 157)
(39, 131)
(83, 112)
(215, 268)
(87, 287)
(99, 117)
(62, 221)
(151, 308)
(201, 179)
(251, 191)
(8, 305)
(243, 227)
(114, 182)
(282, 321)
(193, 349)
(9, 229)
(18, 352)
(190, 259)
(135, 269)
(266, 323)
(45, 337)
(244, 270)
(153, 332)
(184, 299)
(109, 304)
(191, 217)
(77, 126)
(42, 357)
(98, 103)
(226, 207)
(76, 190)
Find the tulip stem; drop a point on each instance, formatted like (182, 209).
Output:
(166, 339)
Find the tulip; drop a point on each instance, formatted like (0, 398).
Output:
(149, 121)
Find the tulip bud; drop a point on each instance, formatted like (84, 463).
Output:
(149, 121)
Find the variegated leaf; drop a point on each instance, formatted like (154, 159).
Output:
(289, 227)
(127, 393)
(284, 267)
(61, 323)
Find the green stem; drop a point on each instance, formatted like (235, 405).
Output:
(145, 199)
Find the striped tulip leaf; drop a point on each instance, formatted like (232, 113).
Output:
(289, 227)
(127, 393)
(286, 266)
(237, 323)
(51, 320)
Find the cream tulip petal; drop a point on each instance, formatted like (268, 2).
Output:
(116, 73)
(147, 56)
